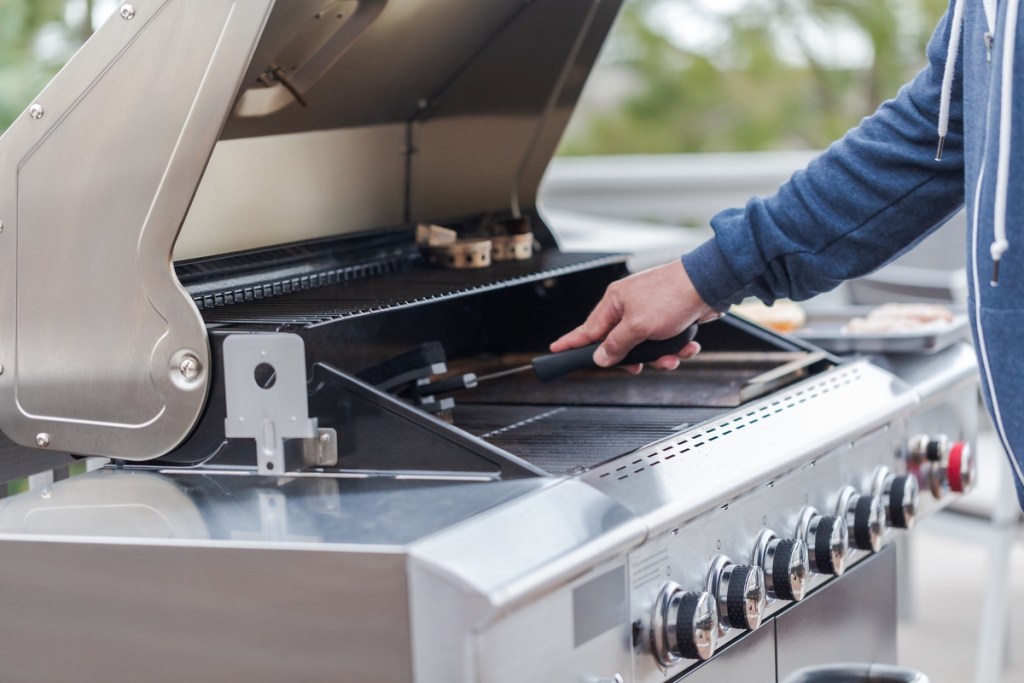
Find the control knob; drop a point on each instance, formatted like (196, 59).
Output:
(740, 592)
(684, 625)
(827, 539)
(899, 494)
(962, 467)
(784, 562)
(941, 462)
(865, 515)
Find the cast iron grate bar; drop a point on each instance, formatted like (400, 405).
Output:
(402, 288)
(563, 439)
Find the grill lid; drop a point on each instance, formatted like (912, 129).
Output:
(416, 111)
(354, 114)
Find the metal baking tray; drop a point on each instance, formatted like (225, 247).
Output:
(825, 329)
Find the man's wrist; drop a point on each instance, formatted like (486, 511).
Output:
(709, 274)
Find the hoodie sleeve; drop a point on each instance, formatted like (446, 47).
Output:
(868, 198)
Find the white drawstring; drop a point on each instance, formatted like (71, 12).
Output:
(999, 243)
(952, 49)
(990, 14)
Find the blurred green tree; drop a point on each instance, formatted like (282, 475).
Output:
(35, 41)
(768, 74)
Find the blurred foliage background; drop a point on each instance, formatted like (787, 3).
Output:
(743, 75)
(36, 38)
(675, 76)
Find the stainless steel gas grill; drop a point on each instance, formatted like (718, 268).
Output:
(318, 463)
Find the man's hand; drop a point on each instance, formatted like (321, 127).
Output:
(653, 304)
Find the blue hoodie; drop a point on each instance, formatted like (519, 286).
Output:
(881, 189)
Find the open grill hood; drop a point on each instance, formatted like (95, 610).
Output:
(176, 117)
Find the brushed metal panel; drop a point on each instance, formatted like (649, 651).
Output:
(853, 620)
(503, 562)
(93, 193)
(407, 54)
(477, 142)
(760, 441)
(284, 188)
(750, 659)
(124, 613)
(536, 643)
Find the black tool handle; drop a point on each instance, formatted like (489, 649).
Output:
(555, 365)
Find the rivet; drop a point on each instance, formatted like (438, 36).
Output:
(36, 111)
(1, 226)
(127, 12)
(1, 368)
(42, 440)
(189, 368)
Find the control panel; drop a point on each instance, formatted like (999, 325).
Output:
(697, 588)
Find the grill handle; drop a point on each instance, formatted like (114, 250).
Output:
(555, 365)
(857, 673)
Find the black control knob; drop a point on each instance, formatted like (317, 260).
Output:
(696, 625)
(925, 448)
(865, 515)
(785, 564)
(684, 625)
(827, 539)
(901, 494)
(740, 592)
(940, 463)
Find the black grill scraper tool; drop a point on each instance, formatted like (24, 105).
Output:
(554, 365)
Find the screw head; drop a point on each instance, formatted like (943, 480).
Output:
(1, 368)
(190, 368)
(43, 440)
(127, 12)
(36, 111)
(1, 226)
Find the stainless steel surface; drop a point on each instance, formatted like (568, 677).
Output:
(123, 144)
(813, 416)
(271, 408)
(189, 367)
(854, 620)
(321, 451)
(476, 98)
(509, 575)
(168, 612)
(751, 658)
(826, 329)
(267, 190)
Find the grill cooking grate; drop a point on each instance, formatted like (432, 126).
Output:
(563, 439)
(363, 295)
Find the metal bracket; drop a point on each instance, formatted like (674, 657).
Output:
(320, 451)
(265, 392)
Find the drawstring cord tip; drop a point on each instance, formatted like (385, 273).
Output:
(938, 152)
(998, 248)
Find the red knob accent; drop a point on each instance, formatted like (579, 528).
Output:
(955, 468)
